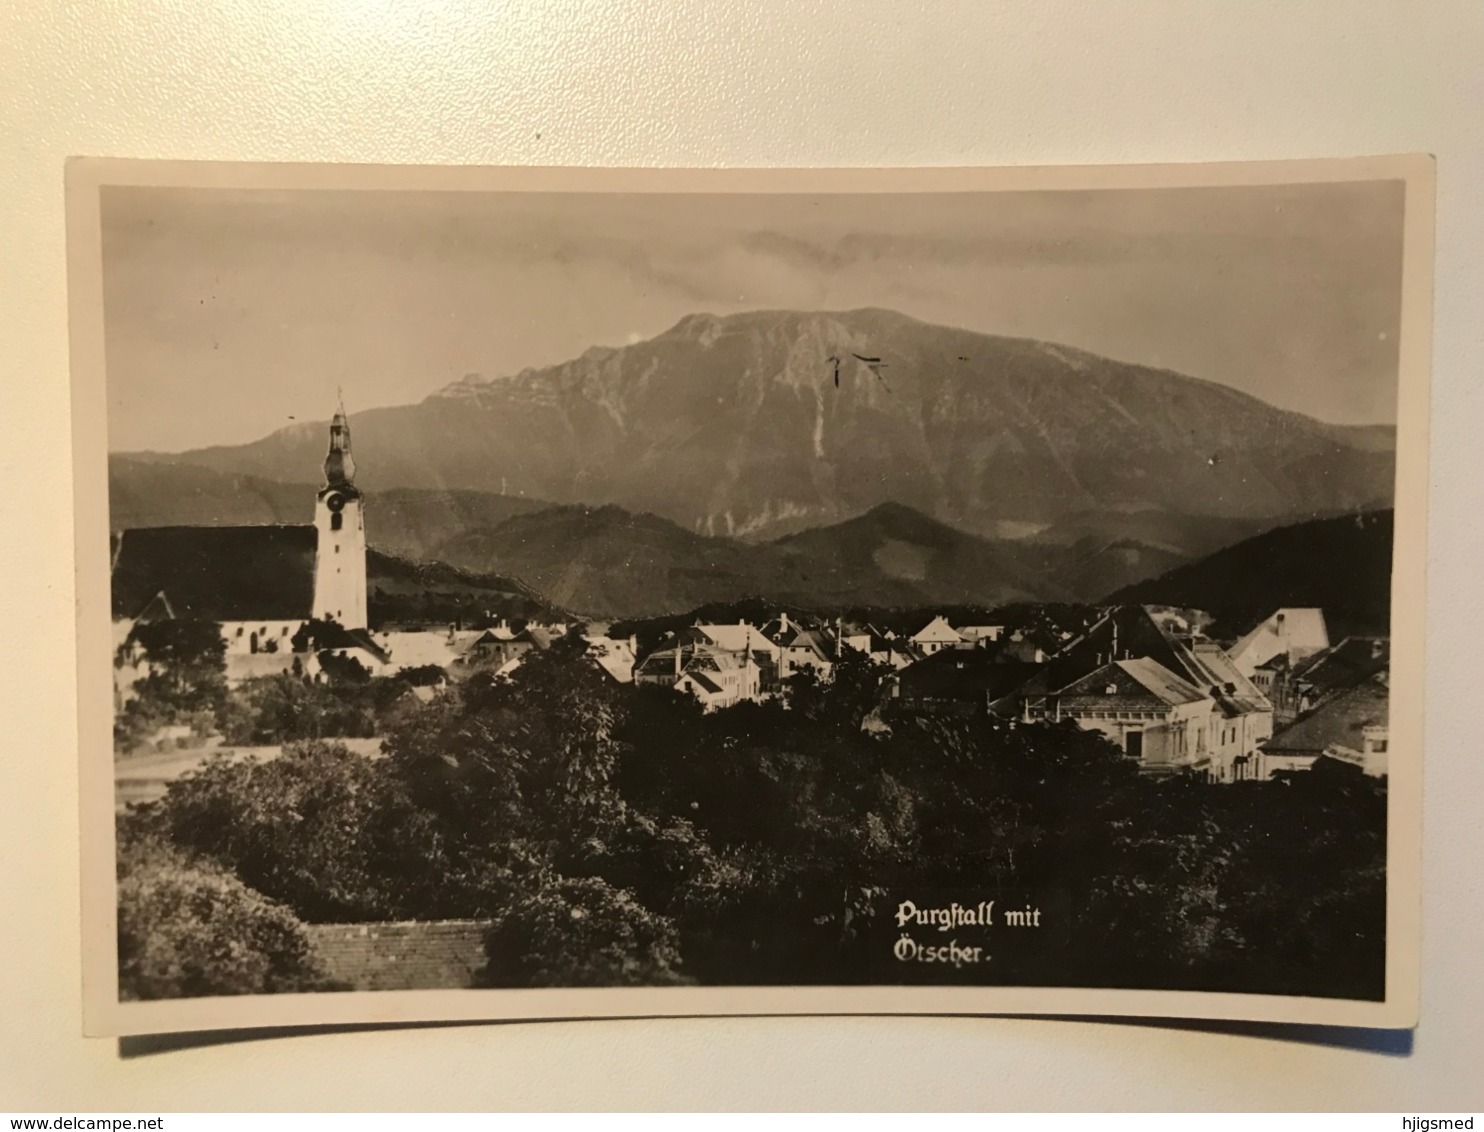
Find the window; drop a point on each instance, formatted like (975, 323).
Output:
(1379, 746)
(335, 521)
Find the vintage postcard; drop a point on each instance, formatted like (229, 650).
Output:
(575, 593)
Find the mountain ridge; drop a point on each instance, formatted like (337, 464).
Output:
(763, 423)
(1340, 564)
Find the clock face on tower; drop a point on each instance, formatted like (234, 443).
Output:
(335, 502)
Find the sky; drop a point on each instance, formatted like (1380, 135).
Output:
(230, 313)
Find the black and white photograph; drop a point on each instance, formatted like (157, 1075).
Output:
(699, 594)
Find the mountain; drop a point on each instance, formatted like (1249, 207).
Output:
(894, 555)
(608, 559)
(608, 562)
(409, 522)
(1190, 536)
(761, 424)
(1340, 565)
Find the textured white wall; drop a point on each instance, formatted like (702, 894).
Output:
(726, 82)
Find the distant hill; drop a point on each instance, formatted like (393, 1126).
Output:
(894, 555)
(608, 562)
(765, 423)
(267, 572)
(1190, 536)
(1341, 565)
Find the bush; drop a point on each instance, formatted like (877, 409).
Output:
(580, 933)
(282, 709)
(189, 929)
(305, 828)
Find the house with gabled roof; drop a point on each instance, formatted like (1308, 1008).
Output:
(957, 682)
(1239, 717)
(741, 637)
(807, 650)
(715, 676)
(937, 635)
(981, 635)
(499, 652)
(1351, 726)
(615, 656)
(897, 652)
(1348, 664)
(1294, 633)
(1156, 717)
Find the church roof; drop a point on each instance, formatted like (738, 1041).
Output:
(260, 573)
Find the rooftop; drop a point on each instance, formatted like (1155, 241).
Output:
(416, 955)
(1340, 721)
(263, 573)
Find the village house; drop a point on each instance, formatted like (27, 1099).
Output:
(719, 680)
(1291, 633)
(1299, 687)
(957, 682)
(741, 638)
(937, 635)
(854, 638)
(1236, 717)
(1349, 727)
(801, 647)
(615, 656)
(500, 650)
(419, 648)
(896, 652)
(716, 677)
(1024, 648)
(746, 641)
(1153, 715)
(980, 636)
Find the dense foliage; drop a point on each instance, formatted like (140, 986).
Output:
(616, 835)
(183, 680)
(190, 928)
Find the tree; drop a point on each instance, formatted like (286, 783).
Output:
(525, 760)
(187, 661)
(284, 708)
(188, 928)
(319, 828)
(580, 933)
(185, 679)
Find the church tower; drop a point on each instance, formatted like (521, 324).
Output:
(340, 523)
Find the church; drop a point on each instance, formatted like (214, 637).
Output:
(261, 584)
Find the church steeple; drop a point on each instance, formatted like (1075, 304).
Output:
(340, 523)
(340, 465)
